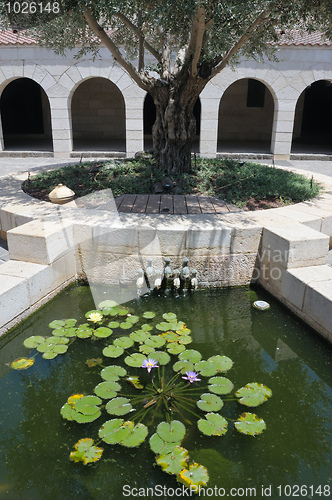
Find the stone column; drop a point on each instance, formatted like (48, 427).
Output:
(210, 100)
(61, 127)
(282, 131)
(134, 100)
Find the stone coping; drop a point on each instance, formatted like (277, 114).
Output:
(28, 208)
(243, 231)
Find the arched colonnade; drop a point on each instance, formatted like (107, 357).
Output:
(99, 108)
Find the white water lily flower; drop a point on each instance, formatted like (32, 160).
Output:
(95, 317)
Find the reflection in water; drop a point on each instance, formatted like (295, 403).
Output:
(266, 346)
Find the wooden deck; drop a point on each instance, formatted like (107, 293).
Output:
(172, 204)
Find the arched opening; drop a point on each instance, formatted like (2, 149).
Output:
(98, 116)
(245, 118)
(26, 117)
(149, 117)
(312, 132)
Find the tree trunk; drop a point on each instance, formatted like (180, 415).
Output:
(174, 130)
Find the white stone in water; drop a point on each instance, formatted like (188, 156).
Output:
(261, 304)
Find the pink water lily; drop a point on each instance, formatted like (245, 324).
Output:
(149, 364)
(191, 377)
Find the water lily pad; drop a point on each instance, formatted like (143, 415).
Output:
(84, 331)
(49, 354)
(183, 366)
(113, 311)
(161, 357)
(124, 342)
(171, 336)
(57, 323)
(161, 447)
(185, 339)
(135, 360)
(194, 477)
(191, 355)
(107, 389)
(60, 349)
(74, 398)
(179, 327)
(34, 341)
(135, 382)
(175, 348)
(60, 332)
(113, 351)
(220, 385)
(210, 402)
(118, 406)
(139, 336)
(70, 332)
(171, 432)
(132, 319)
(206, 368)
(173, 462)
(116, 430)
(223, 362)
(136, 437)
(102, 332)
(125, 325)
(213, 425)
(67, 412)
(146, 327)
(155, 341)
(123, 312)
(86, 452)
(145, 349)
(107, 304)
(88, 405)
(163, 326)
(113, 324)
(149, 315)
(113, 373)
(169, 316)
(253, 394)
(70, 322)
(250, 424)
(83, 410)
(22, 363)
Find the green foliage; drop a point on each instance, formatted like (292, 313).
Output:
(224, 179)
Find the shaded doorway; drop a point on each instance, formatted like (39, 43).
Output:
(98, 116)
(26, 117)
(312, 131)
(245, 118)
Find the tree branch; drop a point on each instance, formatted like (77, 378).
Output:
(138, 32)
(196, 39)
(141, 81)
(261, 19)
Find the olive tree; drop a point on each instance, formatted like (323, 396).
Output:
(171, 48)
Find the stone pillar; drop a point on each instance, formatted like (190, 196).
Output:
(282, 131)
(61, 127)
(2, 144)
(209, 122)
(134, 100)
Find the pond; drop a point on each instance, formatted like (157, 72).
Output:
(271, 347)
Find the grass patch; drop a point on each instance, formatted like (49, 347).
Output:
(239, 184)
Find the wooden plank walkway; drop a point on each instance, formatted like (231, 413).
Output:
(172, 204)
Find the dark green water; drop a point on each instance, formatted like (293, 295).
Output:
(271, 347)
